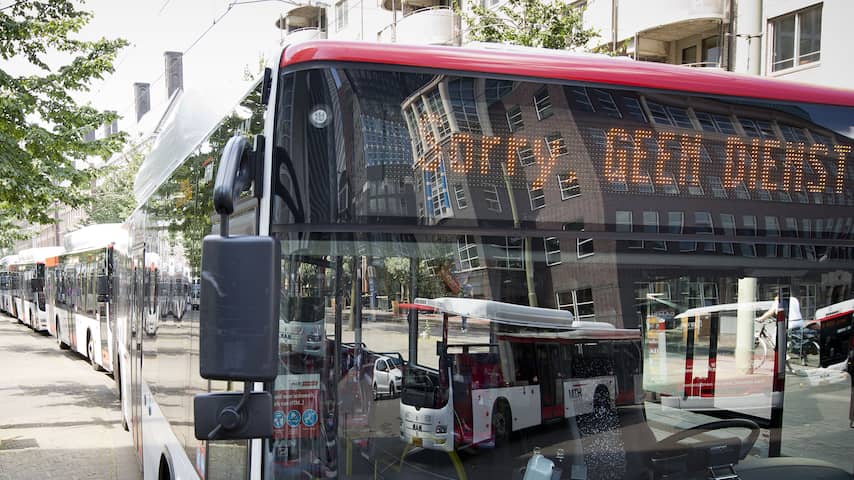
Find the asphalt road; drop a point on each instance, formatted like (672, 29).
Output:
(58, 417)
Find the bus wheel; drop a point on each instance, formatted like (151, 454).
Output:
(502, 423)
(90, 350)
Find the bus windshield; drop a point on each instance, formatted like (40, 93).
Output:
(584, 268)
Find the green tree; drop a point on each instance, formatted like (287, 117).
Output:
(112, 201)
(532, 23)
(42, 126)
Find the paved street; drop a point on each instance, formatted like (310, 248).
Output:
(58, 418)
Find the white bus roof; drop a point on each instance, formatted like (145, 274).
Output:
(509, 313)
(95, 236)
(836, 308)
(38, 254)
(726, 307)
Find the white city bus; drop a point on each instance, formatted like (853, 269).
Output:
(551, 181)
(82, 294)
(7, 280)
(31, 302)
(543, 367)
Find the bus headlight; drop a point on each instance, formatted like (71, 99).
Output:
(441, 429)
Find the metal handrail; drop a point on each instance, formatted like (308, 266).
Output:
(303, 29)
(702, 65)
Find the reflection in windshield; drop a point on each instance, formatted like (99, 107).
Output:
(565, 275)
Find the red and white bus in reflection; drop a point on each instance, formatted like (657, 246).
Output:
(541, 367)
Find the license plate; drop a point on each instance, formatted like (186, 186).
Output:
(416, 441)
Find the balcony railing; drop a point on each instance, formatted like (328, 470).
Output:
(303, 34)
(702, 65)
(438, 25)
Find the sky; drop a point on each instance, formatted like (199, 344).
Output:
(244, 34)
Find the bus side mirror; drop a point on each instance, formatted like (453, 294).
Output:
(238, 335)
(239, 308)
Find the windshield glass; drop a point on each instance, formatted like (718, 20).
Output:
(569, 273)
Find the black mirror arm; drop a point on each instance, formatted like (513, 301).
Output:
(235, 174)
(231, 417)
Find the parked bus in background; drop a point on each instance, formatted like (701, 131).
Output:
(31, 305)
(553, 182)
(7, 280)
(83, 290)
(543, 367)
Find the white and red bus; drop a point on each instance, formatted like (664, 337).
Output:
(552, 182)
(30, 300)
(82, 294)
(542, 367)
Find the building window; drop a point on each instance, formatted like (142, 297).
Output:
(437, 108)
(543, 104)
(578, 302)
(717, 187)
(650, 225)
(556, 144)
(623, 224)
(606, 103)
(728, 225)
(514, 118)
(680, 117)
(724, 124)
(749, 222)
(467, 252)
(772, 229)
(793, 134)
(464, 105)
(704, 225)
(341, 12)
(659, 114)
(633, 109)
(583, 303)
(583, 246)
(493, 201)
(537, 197)
(580, 98)
(569, 186)
(711, 52)
(508, 252)
(526, 155)
(552, 248)
(460, 193)
(796, 38)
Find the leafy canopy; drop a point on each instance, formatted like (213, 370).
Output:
(531, 23)
(42, 127)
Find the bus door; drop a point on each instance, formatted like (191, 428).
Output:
(701, 342)
(551, 383)
(138, 311)
(102, 295)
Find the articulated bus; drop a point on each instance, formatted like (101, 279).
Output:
(83, 290)
(30, 301)
(592, 190)
(543, 366)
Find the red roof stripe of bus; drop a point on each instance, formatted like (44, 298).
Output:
(834, 316)
(583, 68)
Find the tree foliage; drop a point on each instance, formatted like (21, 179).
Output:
(532, 23)
(42, 126)
(112, 201)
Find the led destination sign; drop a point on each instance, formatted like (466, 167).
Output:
(644, 156)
